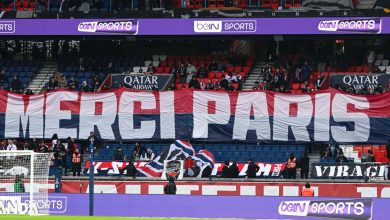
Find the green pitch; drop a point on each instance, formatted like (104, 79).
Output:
(58, 217)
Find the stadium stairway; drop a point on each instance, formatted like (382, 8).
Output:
(254, 75)
(43, 76)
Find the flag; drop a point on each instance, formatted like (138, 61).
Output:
(179, 150)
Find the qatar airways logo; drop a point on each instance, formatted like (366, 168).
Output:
(340, 209)
(116, 27)
(373, 25)
(226, 26)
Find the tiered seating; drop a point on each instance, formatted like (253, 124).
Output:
(240, 153)
(382, 64)
(293, 3)
(21, 5)
(379, 151)
(24, 70)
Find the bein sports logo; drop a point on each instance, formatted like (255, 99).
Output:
(358, 25)
(116, 27)
(341, 209)
(230, 26)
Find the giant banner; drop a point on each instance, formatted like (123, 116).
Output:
(103, 168)
(256, 116)
(198, 26)
(348, 170)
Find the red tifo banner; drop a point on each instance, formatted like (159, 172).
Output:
(326, 116)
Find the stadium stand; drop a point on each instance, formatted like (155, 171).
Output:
(221, 152)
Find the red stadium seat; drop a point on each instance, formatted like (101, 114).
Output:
(295, 86)
(266, 3)
(159, 69)
(249, 63)
(358, 69)
(218, 75)
(211, 75)
(288, 3)
(237, 69)
(297, 3)
(235, 85)
(163, 63)
(246, 69)
(167, 69)
(220, 3)
(230, 69)
(212, 4)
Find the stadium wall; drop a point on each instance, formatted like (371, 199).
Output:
(352, 190)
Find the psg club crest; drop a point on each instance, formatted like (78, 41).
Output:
(173, 168)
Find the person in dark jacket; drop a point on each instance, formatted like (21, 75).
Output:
(170, 188)
(233, 170)
(225, 170)
(131, 170)
(304, 163)
(252, 169)
(119, 156)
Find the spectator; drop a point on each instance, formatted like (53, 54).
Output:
(306, 71)
(209, 85)
(29, 92)
(119, 156)
(76, 163)
(230, 87)
(217, 85)
(60, 158)
(194, 84)
(307, 191)
(137, 152)
(233, 170)
(81, 66)
(298, 75)
(96, 87)
(54, 139)
(63, 82)
(192, 171)
(319, 81)
(84, 87)
(229, 77)
(292, 167)
(53, 84)
(109, 69)
(202, 85)
(11, 145)
(148, 156)
(252, 169)
(182, 72)
(34, 145)
(341, 158)
(3, 145)
(170, 188)
(16, 85)
(131, 170)
(213, 67)
(371, 157)
(202, 72)
(3, 76)
(150, 69)
(43, 90)
(43, 147)
(57, 77)
(191, 69)
(304, 164)
(305, 87)
(225, 170)
(224, 84)
(19, 184)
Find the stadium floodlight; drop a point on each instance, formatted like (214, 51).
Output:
(24, 182)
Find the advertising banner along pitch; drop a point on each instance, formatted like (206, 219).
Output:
(198, 26)
(327, 116)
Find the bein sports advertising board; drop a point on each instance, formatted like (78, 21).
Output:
(201, 26)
